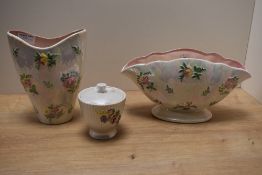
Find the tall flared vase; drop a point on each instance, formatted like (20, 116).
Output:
(50, 71)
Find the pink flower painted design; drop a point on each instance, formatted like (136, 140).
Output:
(144, 82)
(54, 111)
(71, 81)
(27, 83)
(230, 84)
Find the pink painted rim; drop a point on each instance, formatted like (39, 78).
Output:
(212, 57)
(51, 42)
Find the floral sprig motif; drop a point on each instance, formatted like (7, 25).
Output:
(198, 72)
(111, 115)
(54, 112)
(45, 59)
(144, 82)
(15, 52)
(48, 84)
(70, 109)
(27, 83)
(186, 106)
(71, 81)
(206, 91)
(186, 71)
(76, 49)
(169, 89)
(230, 84)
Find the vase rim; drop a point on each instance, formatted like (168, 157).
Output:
(55, 40)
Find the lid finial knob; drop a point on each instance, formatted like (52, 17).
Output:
(101, 87)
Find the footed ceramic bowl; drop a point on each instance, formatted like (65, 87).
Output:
(185, 82)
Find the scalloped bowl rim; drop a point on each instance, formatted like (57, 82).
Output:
(161, 61)
(223, 59)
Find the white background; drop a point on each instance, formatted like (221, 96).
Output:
(119, 30)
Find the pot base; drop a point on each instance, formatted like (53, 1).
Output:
(102, 136)
(166, 114)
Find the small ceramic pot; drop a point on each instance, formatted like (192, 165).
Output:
(102, 105)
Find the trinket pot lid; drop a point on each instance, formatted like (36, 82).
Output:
(102, 95)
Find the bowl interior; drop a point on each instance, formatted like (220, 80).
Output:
(183, 53)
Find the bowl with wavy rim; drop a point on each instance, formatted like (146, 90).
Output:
(185, 82)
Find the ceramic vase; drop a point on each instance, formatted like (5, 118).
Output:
(50, 71)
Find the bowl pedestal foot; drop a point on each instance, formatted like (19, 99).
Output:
(103, 136)
(166, 114)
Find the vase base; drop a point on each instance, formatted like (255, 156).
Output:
(164, 113)
(61, 120)
(102, 136)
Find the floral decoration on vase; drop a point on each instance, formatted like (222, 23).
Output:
(71, 81)
(76, 49)
(26, 80)
(54, 111)
(45, 59)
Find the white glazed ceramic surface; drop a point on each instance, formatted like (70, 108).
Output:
(102, 106)
(50, 71)
(184, 82)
